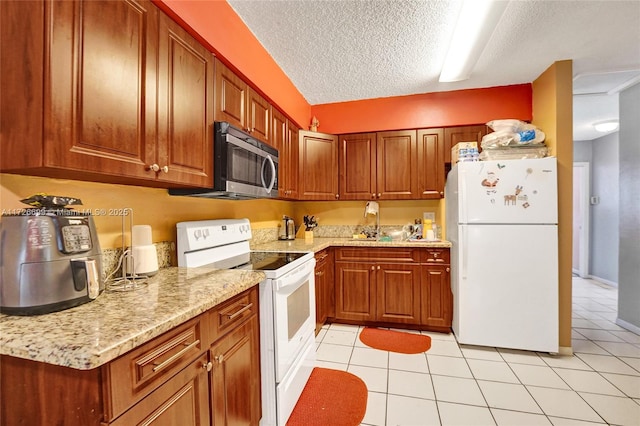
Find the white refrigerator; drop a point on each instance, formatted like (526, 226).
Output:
(502, 221)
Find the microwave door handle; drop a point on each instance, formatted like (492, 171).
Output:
(273, 173)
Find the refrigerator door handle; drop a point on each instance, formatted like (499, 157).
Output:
(462, 189)
(464, 243)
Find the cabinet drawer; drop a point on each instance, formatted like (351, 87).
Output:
(435, 255)
(234, 311)
(137, 373)
(184, 396)
(396, 254)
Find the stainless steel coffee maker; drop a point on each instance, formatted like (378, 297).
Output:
(50, 261)
(287, 229)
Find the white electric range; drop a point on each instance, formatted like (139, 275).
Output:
(287, 305)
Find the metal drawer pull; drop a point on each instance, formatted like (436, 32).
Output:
(240, 311)
(319, 273)
(176, 356)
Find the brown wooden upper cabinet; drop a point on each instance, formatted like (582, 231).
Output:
(284, 137)
(241, 105)
(455, 135)
(318, 161)
(185, 106)
(431, 174)
(379, 166)
(357, 165)
(83, 102)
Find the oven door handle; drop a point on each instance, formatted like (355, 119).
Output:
(273, 173)
(289, 282)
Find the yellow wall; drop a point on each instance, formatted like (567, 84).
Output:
(151, 206)
(553, 113)
(155, 207)
(352, 212)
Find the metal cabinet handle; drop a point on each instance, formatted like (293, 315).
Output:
(176, 356)
(165, 169)
(219, 358)
(240, 311)
(319, 273)
(337, 196)
(373, 195)
(378, 267)
(207, 366)
(448, 269)
(373, 268)
(379, 194)
(154, 167)
(441, 194)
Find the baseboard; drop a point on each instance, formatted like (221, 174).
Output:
(565, 351)
(628, 326)
(602, 280)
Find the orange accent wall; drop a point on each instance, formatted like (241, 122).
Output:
(215, 23)
(439, 109)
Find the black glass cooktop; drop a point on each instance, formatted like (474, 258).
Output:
(271, 261)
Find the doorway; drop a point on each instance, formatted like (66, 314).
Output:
(580, 260)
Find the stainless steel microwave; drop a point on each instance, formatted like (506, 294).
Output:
(243, 167)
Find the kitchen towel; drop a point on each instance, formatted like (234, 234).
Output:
(372, 207)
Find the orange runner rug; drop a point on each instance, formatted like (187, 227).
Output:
(395, 341)
(330, 398)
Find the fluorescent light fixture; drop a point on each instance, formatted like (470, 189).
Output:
(476, 22)
(606, 126)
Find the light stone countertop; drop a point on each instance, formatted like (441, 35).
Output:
(90, 335)
(97, 332)
(319, 244)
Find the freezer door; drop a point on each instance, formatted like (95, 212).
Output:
(506, 286)
(511, 191)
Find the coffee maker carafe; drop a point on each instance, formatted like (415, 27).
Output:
(287, 229)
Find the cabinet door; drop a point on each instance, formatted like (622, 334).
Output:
(398, 293)
(325, 289)
(357, 165)
(355, 291)
(230, 97)
(396, 160)
(291, 158)
(455, 135)
(318, 160)
(431, 163)
(437, 301)
(100, 103)
(258, 116)
(185, 107)
(279, 135)
(235, 377)
(182, 400)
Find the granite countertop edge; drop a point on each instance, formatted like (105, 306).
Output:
(321, 243)
(95, 333)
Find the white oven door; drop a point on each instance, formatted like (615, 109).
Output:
(294, 314)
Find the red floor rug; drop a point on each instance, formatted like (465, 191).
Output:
(330, 398)
(395, 341)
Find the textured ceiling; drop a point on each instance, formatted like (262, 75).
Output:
(352, 49)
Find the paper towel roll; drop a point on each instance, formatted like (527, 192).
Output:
(140, 235)
(372, 208)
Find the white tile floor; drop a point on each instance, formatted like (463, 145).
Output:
(455, 384)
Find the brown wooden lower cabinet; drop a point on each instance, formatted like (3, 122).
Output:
(208, 366)
(325, 289)
(235, 377)
(410, 287)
